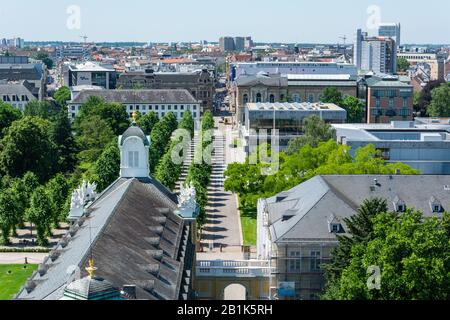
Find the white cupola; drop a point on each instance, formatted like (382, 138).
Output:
(134, 153)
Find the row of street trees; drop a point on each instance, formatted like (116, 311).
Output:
(200, 171)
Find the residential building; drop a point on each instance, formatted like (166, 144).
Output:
(387, 99)
(140, 235)
(297, 88)
(376, 54)
(239, 43)
(435, 64)
(89, 73)
(297, 229)
(199, 83)
(287, 118)
(34, 73)
(160, 101)
(423, 146)
(72, 53)
(18, 94)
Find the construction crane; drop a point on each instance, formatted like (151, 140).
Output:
(84, 38)
(343, 38)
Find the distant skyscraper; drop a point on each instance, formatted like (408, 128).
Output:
(390, 30)
(248, 43)
(377, 54)
(239, 43)
(226, 44)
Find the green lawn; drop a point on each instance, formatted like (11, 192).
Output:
(248, 222)
(10, 283)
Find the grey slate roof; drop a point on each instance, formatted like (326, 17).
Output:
(17, 72)
(311, 203)
(19, 89)
(266, 80)
(137, 96)
(135, 239)
(134, 131)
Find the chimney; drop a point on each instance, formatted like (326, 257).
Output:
(129, 291)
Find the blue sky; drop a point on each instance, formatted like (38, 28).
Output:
(193, 20)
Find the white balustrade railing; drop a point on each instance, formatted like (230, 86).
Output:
(233, 268)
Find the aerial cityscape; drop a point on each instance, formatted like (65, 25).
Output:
(191, 155)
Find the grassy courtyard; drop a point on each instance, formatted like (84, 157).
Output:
(12, 277)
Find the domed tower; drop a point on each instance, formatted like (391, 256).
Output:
(134, 152)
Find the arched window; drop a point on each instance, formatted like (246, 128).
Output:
(271, 98)
(258, 97)
(297, 98)
(245, 98)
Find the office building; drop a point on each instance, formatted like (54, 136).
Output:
(297, 229)
(159, 101)
(387, 99)
(287, 118)
(239, 43)
(423, 146)
(226, 44)
(376, 54)
(390, 30)
(89, 73)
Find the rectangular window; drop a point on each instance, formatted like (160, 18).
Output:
(175, 107)
(315, 261)
(133, 159)
(294, 261)
(391, 103)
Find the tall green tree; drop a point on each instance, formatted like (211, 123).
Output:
(27, 146)
(402, 64)
(62, 95)
(8, 114)
(107, 168)
(411, 252)
(58, 190)
(23, 188)
(359, 230)
(44, 57)
(62, 137)
(40, 214)
(161, 138)
(440, 102)
(332, 95)
(187, 122)
(147, 122)
(315, 130)
(93, 135)
(355, 109)
(8, 214)
(43, 109)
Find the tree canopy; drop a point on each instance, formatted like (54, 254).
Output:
(8, 114)
(62, 95)
(440, 101)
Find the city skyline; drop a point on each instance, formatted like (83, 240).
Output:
(153, 22)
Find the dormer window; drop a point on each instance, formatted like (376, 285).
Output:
(436, 206)
(335, 228)
(334, 225)
(399, 205)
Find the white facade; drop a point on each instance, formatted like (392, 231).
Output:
(134, 156)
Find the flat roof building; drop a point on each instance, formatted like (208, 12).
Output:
(425, 147)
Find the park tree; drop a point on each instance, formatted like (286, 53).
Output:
(42, 109)
(147, 122)
(440, 102)
(187, 122)
(359, 230)
(8, 214)
(44, 57)
(208, 121)
(332, 95)
(114, 114)
(27, 146)
(167, 171)
(94, 133)
(107, 168)
(57, 190)
(315, 130)
(23, 188)
(355, 109)
(426, 96)
(62, 137)
(40, 214)
(62, 95)
(8, 114)
(411, 252)
(402, 64)
(161, 138)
